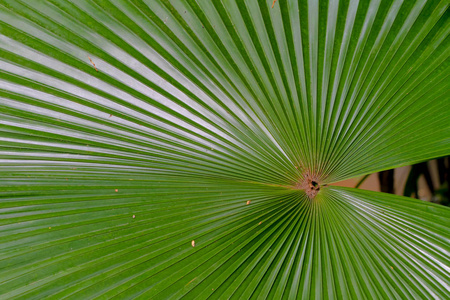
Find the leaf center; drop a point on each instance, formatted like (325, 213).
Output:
(310, 184)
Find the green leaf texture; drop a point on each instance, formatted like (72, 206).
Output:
(157, 149)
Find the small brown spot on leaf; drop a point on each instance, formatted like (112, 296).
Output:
(274, 1)
(248, 202)
(193, 243)
(259, 223)
(93, 64)
(116, 190)
(191, 281)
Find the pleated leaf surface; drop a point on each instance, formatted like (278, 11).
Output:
(155, 149)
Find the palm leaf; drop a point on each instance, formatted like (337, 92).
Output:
(167, 149)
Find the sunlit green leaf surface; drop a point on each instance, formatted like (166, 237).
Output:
(160, 149)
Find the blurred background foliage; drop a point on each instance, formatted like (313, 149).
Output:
(428, 181)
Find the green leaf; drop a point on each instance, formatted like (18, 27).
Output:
(84, 240)
(163, 149)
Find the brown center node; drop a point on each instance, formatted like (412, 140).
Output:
(310, 184)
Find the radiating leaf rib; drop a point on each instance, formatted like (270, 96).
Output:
(155, 149)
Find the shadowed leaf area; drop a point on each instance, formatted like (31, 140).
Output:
(154, 149)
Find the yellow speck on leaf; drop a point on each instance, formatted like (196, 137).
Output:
(93, 64)
(191, 281)
(193, 243)
(248, 202)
